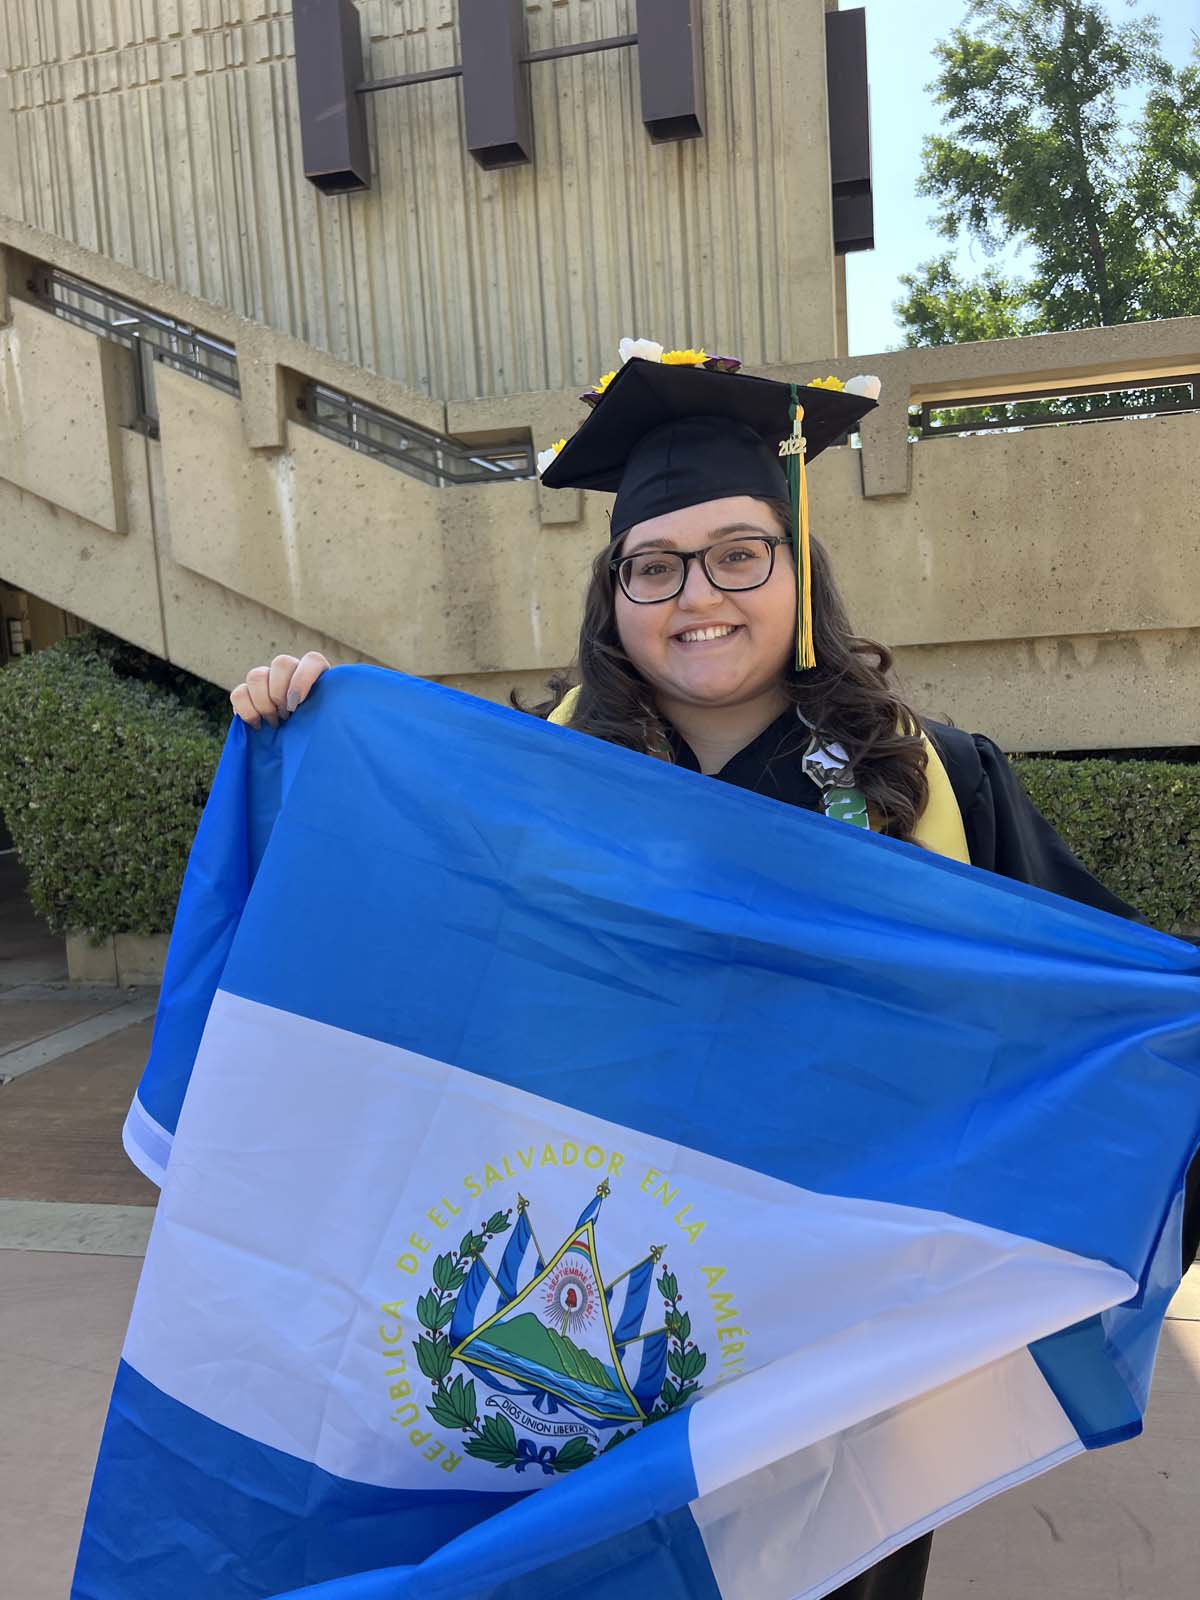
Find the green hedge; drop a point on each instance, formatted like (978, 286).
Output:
(1134, 824)
(102, 782)
(127, 661)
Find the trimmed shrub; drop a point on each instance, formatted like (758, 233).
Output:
(102, 782)
(1134, 824)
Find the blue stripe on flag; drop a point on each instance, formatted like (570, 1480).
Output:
(1077, 1364)
(663, 1558)
(234, 831)
(619, 1530)
(185, 1499)
(1100, 1369)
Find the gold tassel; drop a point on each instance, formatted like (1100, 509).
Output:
(808, 654)
(793, 449)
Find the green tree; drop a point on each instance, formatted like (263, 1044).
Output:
(942, 308)
(1035, 153)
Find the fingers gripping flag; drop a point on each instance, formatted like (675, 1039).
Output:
(577, 1174)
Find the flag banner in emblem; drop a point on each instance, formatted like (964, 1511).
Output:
(580, 1176)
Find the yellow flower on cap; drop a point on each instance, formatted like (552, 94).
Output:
(545, 457)
(825, 383)
(650, 350)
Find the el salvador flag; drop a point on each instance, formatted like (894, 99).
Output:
(578, 1175)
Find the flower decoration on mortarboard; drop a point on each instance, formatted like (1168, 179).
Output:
(545, 457)
(597, 390)
(865, 384)
(644, 349)
(651, 350)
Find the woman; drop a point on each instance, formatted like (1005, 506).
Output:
(714, 637)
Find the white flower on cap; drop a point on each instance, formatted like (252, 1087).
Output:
(866, 385)
(647, 349)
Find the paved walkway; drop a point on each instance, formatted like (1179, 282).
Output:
(74, 1217)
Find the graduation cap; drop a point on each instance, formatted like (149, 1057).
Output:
(669, 431)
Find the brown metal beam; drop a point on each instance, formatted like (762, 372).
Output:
(849, 130)
(495, 82)
(671, 68)
(407, 79)
(588, 47)
(333, 122)
(557, 53)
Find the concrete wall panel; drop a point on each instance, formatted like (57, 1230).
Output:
(108, 579)
(215, 632)
(57, 437)
(1094, 692)
(1051, 531)
(434, 581)
(114, 582)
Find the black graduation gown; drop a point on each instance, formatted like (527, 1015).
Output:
(1005, 834)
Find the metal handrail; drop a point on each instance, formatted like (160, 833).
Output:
(126, 322)
(435, 458)
(1150, 403)
(151, 336)
(432, 457)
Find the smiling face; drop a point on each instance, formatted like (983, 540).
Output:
(707, 646)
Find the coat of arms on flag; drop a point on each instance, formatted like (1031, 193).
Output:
(704, 1206)
(564, 1355)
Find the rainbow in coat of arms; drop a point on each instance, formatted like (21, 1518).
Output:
(569, 1367)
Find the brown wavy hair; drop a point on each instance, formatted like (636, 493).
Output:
(848, 696)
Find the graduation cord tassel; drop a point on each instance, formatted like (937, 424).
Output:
(808, 650)
(793, 448)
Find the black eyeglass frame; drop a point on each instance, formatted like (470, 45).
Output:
(772, 540)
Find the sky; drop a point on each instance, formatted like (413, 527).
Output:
(900, 62)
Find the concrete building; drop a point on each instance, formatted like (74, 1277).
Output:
(240, 414)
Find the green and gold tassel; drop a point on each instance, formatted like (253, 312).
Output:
(793, 449)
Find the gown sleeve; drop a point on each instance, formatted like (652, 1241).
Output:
(1006, 833)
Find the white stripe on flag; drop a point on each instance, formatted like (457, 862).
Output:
(147, 1143)
(802, 1526)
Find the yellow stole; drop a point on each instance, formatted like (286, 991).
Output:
(939, 827)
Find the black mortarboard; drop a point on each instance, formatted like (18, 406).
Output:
(662, 437)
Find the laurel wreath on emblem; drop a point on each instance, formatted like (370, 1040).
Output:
(492, 1438)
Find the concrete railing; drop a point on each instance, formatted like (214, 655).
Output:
(1043, 584)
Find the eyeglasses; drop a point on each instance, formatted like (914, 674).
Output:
(651, 576)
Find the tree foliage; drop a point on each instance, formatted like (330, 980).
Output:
(942, 308)
(1036, 151)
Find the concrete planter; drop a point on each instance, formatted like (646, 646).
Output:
(123, 959)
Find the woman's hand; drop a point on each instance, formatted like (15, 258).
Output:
(271, 694)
